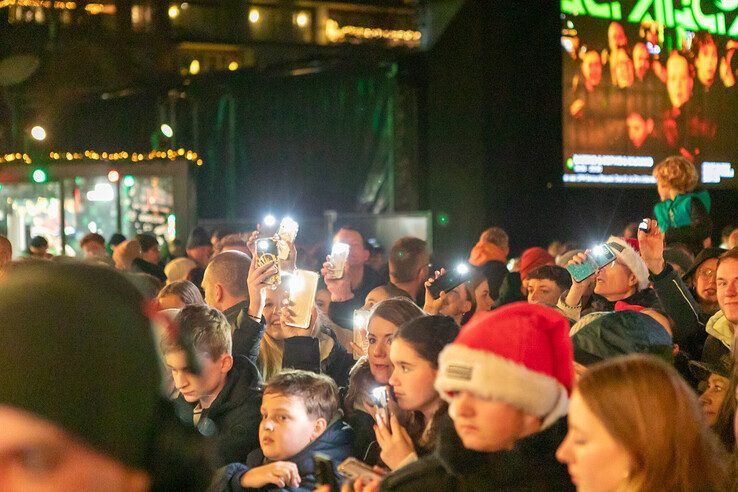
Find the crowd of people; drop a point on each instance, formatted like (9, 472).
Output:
(127, 371)
(627, 96)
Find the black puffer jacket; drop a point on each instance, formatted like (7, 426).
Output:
(530, 466)
(233, 418)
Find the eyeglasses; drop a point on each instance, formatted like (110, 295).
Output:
(708, 272)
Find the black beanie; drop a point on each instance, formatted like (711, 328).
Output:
(77, 350)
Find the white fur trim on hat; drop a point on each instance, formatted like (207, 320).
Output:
(491, 376)
(632, 259)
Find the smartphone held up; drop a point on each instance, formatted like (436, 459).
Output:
(266, 252)
(302, 286)
(450, 280)
(598, 257)
(338, 257)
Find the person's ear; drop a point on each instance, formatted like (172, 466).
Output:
(319, 427)
(365, 255)
(466, 307)
(632, 280)
(531, 425)
(219, 293)
(226, 363)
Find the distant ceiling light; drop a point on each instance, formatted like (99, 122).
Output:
(254, 16)
(184, 6)
(167, 130)
(38, 133)
(173, 12)
(128, 181)
(113, 176)
(233, 66)
(302, 19)
(195, 67)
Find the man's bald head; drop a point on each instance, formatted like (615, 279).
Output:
(6, 251)
(225, 280)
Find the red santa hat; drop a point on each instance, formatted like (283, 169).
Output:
(628, 252)
(520, 354)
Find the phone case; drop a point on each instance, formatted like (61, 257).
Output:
(266, 251)
(447, 282)
(583, 271)
(303, 285)
(352, 469)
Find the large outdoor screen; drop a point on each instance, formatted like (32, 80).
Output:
(645, 79)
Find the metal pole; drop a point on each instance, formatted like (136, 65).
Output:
(62, 220)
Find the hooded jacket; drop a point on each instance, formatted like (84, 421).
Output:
(719, 332)
(335, 442)
(531, 465)
(233, 418)
(621, 333)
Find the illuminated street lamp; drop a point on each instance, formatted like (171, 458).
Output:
(38, 133)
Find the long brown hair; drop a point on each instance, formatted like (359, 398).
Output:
(649, 410)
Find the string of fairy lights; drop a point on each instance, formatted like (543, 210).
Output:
(93, 155)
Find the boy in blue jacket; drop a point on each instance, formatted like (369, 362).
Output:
(299, 417)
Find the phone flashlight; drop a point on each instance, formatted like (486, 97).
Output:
(462, 268)
(598, 250)
(380, 396)
(296, 283)
(361, 318)
(269, 220)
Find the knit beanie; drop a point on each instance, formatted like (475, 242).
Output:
(628, 252)
(533, 258)
(520, 354)
(76, 350)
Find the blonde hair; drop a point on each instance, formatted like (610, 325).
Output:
(678, 173)
(655, 416)
(271, 350)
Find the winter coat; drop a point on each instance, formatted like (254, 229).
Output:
(247, 333)
(322, 355)
(719, 333)
(342, 313)
(510, 290)
(686, 219)
(530, 466)
(621, 333)
(233, 418)
(361, 383)
(688, 330)
(335, 442)
(306, 353)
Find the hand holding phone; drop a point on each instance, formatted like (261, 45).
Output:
(450, 280)
(353, 469)
(266, 252)
(584, 266)
(337, 260)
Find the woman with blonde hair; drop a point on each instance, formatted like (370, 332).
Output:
(683, 213)
(634, 424)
